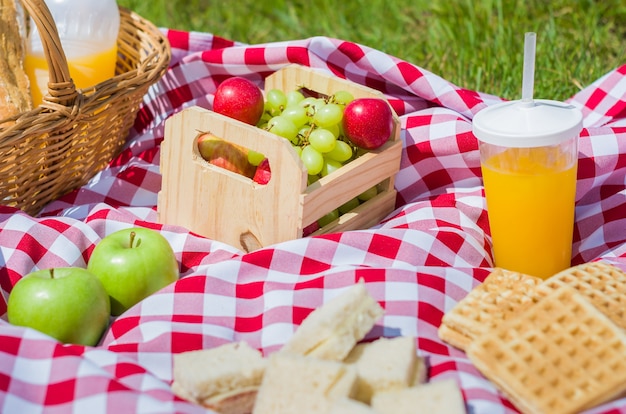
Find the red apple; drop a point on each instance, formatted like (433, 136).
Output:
(225, 155)
(263, 172)
(368, 122)
(310, 229)
(239, 98)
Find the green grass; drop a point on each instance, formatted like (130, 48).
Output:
(474, 44)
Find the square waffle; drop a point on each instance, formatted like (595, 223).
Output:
(501, 294)
(603, 284)
(560, 355)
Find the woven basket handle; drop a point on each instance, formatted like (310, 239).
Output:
(61, 88)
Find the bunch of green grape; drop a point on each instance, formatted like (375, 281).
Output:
(313, 125)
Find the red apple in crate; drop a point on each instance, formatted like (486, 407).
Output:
(132, 264)
(69, 304)
(263, 172)
(239, 98)
(368, 122)
(225, 155)
(310, 229)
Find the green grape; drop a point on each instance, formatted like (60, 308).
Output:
(255, 158)
(297, 148)
(276, 100)
(307, 102)
(283, 127)
(335, 130)
(319, 102)
(305, 131)
(313, 161)
(328, 218)
(302, 137)
(342, 152)
(327, 115)
(296, 114)
(368, 194)
(312, 178)
(349, 205)
(294, 98)
(312, 104)
(322, 140)
(265, 116)
(269, 111)
(329, 167)
(342, 97)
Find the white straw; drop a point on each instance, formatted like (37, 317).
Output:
(528, 80)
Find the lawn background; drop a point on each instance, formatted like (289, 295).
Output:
(474, 44)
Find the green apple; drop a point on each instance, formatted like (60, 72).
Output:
(68, 303)
(133, 264)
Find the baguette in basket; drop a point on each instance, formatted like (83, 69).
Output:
(14, 85)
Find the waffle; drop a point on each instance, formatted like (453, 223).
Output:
(501, 295)
(561, 355)
(603, 284)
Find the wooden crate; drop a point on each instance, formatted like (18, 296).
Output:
(231, 208)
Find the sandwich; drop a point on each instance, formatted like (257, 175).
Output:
(332, 330)
(438, 397)
(386, 364)
(225, 379)
(294, 383)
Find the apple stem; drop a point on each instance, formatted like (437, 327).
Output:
(51, 273)
(132, 239)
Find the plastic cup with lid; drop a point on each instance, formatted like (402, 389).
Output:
(529, 157)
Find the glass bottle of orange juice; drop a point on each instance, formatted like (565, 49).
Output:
(88, 30)
(529, 158)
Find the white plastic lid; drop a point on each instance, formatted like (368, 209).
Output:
(524, 124)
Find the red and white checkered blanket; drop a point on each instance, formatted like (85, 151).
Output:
(422, 259)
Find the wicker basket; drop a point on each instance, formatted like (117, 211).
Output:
(75, 133)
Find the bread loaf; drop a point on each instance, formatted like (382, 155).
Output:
(14, 84)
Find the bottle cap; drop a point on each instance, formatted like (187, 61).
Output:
(527, 123)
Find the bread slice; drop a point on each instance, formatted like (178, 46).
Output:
(225, 378)
(439, 397)
(501, 295)
(14, 84)
(560, 355)
(333, 329)
(386, 364)
(295, 383)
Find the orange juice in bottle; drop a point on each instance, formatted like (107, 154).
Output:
(529, 153)
(88, 30)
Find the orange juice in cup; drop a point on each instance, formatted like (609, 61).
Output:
(529, 153)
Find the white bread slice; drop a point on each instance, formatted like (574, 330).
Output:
(441, 397)
(350, 406)
(299, 384)
(225, 378)
(333, 329)
(386, 364)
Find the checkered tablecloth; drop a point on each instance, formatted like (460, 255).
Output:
(417, 263)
